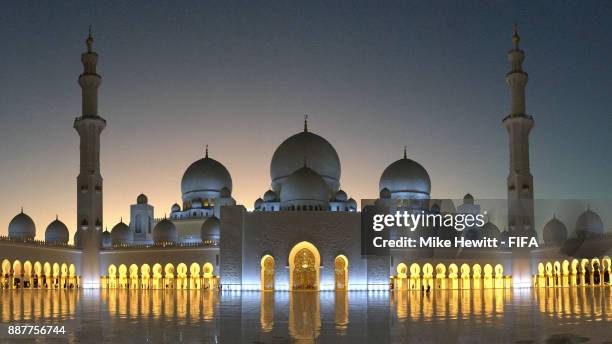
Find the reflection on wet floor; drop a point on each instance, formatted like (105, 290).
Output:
(326, 316)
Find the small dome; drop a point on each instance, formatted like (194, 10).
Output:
(142, 199)
(468, 199)
(57, 232)
(211, 229)
(205, 179)
(258, 203)
(22, 227)
(341, 196)
(225, 193)
(305, 187)
(320, 154)
(77, 238)
(589, 223)
(406, 178)
(385, 193)
(270, 196)
(165, 231)
(107, 241)
(490, 230)
(554, 232)
(175, 208)
(352, 203)
(121, 234)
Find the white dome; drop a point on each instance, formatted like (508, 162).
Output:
(305, 188)
(490, 230)
(121, 234)
(142, 199)
(211, 229)
(352, 203)
(165, 231)
(205, 179)
(554, 232)
(258, 203)
(107, 241)
(22, 227)
(175, 208)
(269, 196)
(317, 151)
(341, 196)
(589, 223)
(406, 178)
(57, 232)
(77, 238)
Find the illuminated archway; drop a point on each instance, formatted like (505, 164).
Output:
(208, 276)
(441, 276)
(499, 276)
(5, 279)
(169, 276)
(27, 274)
(476, 276)
(37, 275)
(415, 276)
(194, 276)
(181, 280)
(134, 276)
(123, 276)
(606, 264)
(112, 276)
(453, 276)
(145, 275)
(596, 270)
(557, 273)
(304, 263)
(427, 275)
(341, 272)
(17, 274)
(47, 275)
(488, 276)
(465, 276)
(267, 272)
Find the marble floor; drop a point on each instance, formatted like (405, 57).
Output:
(544, 315)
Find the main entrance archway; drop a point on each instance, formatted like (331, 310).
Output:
(304, 263)
(267, 272)
(341, 272)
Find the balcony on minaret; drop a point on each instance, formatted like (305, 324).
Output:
(84, 224)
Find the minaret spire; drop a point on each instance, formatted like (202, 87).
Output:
(405, 155)
(206, 153)
(305, 123)
(519, 124)
(89, 181)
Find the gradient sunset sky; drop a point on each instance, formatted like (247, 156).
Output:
(239, 76)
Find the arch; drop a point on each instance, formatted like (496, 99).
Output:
(549, 269)
(453, 271)
(169, 276)
(541, 269)
(440, 271)
(488, 270)
(27, 274)
(477, 271)
(133, 273)
(341, 272)
(499, 271)
(565, 267)
(17, 271)
(574, 266)
(465, 271)
(415, 270)
(402, 270)
(194, 276)
(209, 277)
(112, 276)
(123, 279)
(5, 278)
(267, 272)
(304, 264)
(427, 270)
(181, 272)
(145, 276)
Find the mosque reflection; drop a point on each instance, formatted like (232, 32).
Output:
(303, 315)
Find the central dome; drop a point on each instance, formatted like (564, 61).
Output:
(317, 151)
(305, 188)
(204, 179)
(406, 178)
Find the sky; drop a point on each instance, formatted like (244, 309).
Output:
(239, 76)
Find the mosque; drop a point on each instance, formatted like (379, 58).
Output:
(302, 234)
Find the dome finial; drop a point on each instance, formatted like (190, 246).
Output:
(22, 209)
(405, 155)
(56, 217)
(121, 219)
(515, 36)
(89, 40)
(305, 122)
(206, 154)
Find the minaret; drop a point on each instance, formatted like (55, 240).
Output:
(519, 124)
(520, 181)
(89, 182)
